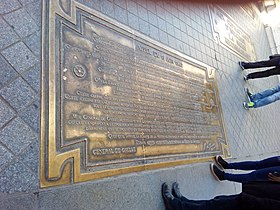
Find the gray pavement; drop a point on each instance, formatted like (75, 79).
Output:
(185, 27)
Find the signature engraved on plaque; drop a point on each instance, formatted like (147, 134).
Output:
(230, 35)
(127, 104)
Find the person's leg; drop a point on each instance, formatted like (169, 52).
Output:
(250, 202)
(258, 175)
(265, 93)
(261, 64)
(230, 202)
(268, 100)
(261, 74)
(254, 165)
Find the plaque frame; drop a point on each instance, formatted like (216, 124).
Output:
(64, 168)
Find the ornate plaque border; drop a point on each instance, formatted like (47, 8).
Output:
(219, 38)
(64, 168)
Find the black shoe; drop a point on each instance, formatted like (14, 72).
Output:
(217, 173)
(167, 196)
(221, 162)
(248, 94)
(176, 190)
(241, 64)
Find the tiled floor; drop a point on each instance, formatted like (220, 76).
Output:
(183, 26)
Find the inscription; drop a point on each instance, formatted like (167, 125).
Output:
(230, 35)
(114, 102)
(153, 99)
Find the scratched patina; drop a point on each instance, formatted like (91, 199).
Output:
(114, 101)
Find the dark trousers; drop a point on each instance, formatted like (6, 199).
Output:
(261, 170)
(260, 64)
(240, 201)
(261, 74)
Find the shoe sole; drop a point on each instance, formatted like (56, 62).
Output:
(218, 163)
(173, 191)
(213, 173)
(245, 106)
(165, 199)
(246, 93)
(242, 67)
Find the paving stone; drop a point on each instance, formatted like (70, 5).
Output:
(120, 14)
(161, 24)
(19, 56)
(8, 6)
(33, 77)
(153, 19)
(132, 191)
(143, 13)
(163, 37)
(17, 135)
(7, 34)
(7, 73)
(132, 7)
(154, 32)
(34, 10)
(26, 201)
(31, 157)
(121, 3)
(133, 21)
(32, 116)
(22, 23)
(34, 43)
(25, 2)
(151, 6)
(18, 94)
(107, 8)
(17, 178)
(5, 157)
(170, 29)
(6, 113)
(144, 188)
(144, 26)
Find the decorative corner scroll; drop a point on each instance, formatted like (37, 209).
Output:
(114, 101)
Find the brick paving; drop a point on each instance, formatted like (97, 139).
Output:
(185, 27)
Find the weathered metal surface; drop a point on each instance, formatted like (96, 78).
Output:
(230, 35)
(114, 101)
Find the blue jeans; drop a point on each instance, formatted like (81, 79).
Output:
(266, 97)
(261, 170)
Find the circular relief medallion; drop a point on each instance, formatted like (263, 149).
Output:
(79, 71)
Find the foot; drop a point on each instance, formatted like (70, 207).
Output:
(176, 190)
(221, 162)
(248, 94)
(167, 196)
(217, 173)
(241, 64)
(248, 105)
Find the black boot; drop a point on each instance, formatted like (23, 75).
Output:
(176, 190)
(167, 196)
(221, 162)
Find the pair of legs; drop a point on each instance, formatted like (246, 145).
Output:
(240, 201)
(261, 169)
(265, 97)
(260, 64)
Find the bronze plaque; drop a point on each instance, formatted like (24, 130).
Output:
(114, 101)
(230, 35)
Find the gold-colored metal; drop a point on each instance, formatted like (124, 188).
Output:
(228, 32)
(115, 101)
